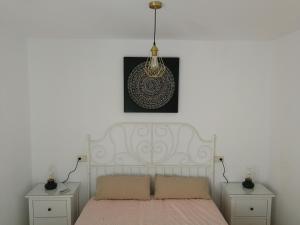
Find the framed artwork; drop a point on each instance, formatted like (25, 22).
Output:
(150, 94)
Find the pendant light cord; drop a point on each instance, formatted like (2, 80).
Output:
(154, 35)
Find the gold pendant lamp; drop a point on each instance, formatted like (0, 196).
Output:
(154, 66)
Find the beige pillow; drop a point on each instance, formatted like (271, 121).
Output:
(123, 187)
(176, 187)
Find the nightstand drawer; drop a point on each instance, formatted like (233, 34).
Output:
(45, 208)
(249, 221)
(50, 221)
(250, 207)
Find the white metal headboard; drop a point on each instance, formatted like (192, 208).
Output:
(151, 148)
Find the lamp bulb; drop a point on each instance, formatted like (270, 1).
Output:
(154, 62)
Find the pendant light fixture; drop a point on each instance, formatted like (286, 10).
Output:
(154, 66)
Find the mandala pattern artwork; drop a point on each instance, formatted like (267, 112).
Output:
(148, 92)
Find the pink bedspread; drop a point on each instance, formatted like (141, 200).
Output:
(152, 212)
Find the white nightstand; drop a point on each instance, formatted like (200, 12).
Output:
(53, 207)
(242, 206)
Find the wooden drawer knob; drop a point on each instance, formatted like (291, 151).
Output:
(49, 209)
(251, 208)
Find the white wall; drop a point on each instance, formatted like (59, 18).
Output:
(77, 88)
(15, 166)
(285, 141)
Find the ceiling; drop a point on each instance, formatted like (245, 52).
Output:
(185, 19)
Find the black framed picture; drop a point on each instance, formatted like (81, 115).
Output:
(150, 94)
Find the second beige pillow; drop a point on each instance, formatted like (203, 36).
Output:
(176, 187)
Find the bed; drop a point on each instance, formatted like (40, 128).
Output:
(151, 149)
(152, 212)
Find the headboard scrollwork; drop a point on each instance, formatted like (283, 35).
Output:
(151, 148)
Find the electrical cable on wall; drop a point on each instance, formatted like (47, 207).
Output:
(72, 171)
(224, 170)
